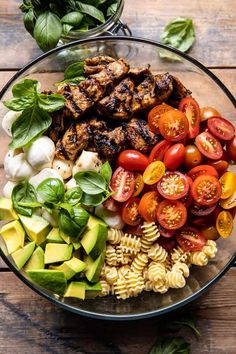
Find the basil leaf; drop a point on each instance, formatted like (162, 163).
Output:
(30, 204)
(47, 30)
(74, 70)
(92, 200)
(91, 11)
(23, 192)
(73, 18)
(106, 172)
(73, 195)
(25, 6)
(26, 87)
(66, 28)
(20, 104)
(51, 190)
(73, 226)
(51, 103)
(91, 182)
(29, 21)
(168, 345)
(188, 321)
(66, 206)
(112, 9)
(74, 80)
(32, 123)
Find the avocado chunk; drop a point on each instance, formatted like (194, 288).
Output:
(74, 240)
(54, 236)
(57, 252)
(6, 210)
(49, 279)
(13, 235)
(71, 267)
(92, 290)
(94, 268)
(36, 261)
(94, 240)
(67, 239)
(93, 221)
(76, 289)
(22, 255)
(36, 228)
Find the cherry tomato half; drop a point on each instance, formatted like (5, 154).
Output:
(173, 125)
(210, 232)
(129, 212)
(132, 160)
(229, 203)
(167, 243)
(148, 206)
(190, 107)
(166, 233)
(220, 165)
(159, 151)
(228, 184)
(133, 230)
(231, 149)
(171, 214)
(174, 156)
(192, 157)
(173, 185)
(221, 128)
(224, 223)
(154, 172)
(190, 239)
(208, 112)
(200, 210)
(209, 146)
(206, 190)
(138, 184)
(122, 183)
(202, 170)
(154, 116)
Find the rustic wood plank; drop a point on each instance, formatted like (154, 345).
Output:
(214, 22)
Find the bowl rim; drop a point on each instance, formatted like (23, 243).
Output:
(118, 317)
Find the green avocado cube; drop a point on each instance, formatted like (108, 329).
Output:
(76, 289)
(92, 290)
(93, 221)
(36, 228)
(57, 252)
(49, 279)
(36, 261)
(6, 210)
(22, 255)
(71, 267)
(54, 236)
(13, 235)
(94, 267)
(94, 240)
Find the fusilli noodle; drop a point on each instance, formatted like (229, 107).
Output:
(157, 253)
(156, 272)
(145, 245)
(150, 231)
(121, 289)
(111, 256)
(181, 267)
(111, 274)
(135, 283)
(198, 258)
(122, 257)
(105, 288)
(175, 279)
(139, 262)
(179, 255)
(130, 244)
(114, 236)
(210, 249)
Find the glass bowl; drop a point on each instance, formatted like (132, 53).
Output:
(206, 88)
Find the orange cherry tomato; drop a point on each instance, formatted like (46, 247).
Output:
(159, 151)
(202, 170)
(174, 156)
(154, 172)
(229, 203)
(210, 232)
(148, 206)
(190, 107)
(171, 214)
(208, 112)
(129, 212)
(138, 184)
(206, 190)
(231, 149)
(228, 184)
(173, 125)
(224, 223)
(154, 116)
(220, 166)
(190, 239)
(192, 157)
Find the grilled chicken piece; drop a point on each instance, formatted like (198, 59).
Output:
(80, 98)
(139, 136)
(58, 126)
(96, 64)
(179, 92)
(139, 74)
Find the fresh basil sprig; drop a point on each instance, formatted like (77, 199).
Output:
(51, 190)
(74, 223)
(24, 198)
(74, 73)
(73, 196)
(175, 345)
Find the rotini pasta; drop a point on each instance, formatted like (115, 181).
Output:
(122, 271)
(105, 288)
(135, 283)
(130, 244)
(122, 257)
(175, 279)
(114, 236)
(198, 258)
(139, 263)
(179, 255)
(145, 245)
(111, 256)
(160, 288)
(210, 249)
(111, 274)
(157, 253)
(181, 267)
(156, 272)
(121, 289)
(150, 231)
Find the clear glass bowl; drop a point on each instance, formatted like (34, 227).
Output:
(207, 89)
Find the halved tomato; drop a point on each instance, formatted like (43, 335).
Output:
(171, 214)
(129, 212)
(206, 190)
(202, 170)
(200, 210)
(173, 185)
(208, 112)
(220, 165)
(132, 160)
(166, 233)
(122, 183)
(133, 230)
(148, 206)
(224, 224)
(209, 146)
(229, 203)
(154, 116)
(138, 184)
(173, 125)
(159, 151)
(210, 232)
(167, 244)
(190, 107)
(174, 156)
(190, 239)
(154, 172)
(228, 184)
(221, 128)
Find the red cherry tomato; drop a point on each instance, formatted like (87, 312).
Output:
(166, 233)
(187, 199)
(148, 206)
(122, 183)
(200, 210)
(111, 205)
(221, 128)
(209, 146)
(190, 239)
(206, 190)
(221, 166)
(192, 157)
(132, 160)
(129, 212)
(134, 230)
(167, 244)
(231, 149)
(202, 170)
(173, 125)
(190, 107)
(154, 116)
(171, 214)
(208, 112)
(173, 185)
(174, 156)
(159, 151)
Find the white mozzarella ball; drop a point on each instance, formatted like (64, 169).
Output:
(41, 152)
(71, 184)
(87, 161)
(8, 188)
(42, 175)
(51, 218)
(7, 121)
(16, 167)
(63, 167)
(111, 218)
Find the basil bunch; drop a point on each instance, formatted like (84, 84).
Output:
(46, 21)
(34, 119)
(24, 198)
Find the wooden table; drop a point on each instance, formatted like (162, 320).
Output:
(30, 324)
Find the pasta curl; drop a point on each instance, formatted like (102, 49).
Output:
(139, 263)
(114, 236)
(150, 231)
(157, 253)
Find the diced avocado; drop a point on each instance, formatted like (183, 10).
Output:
(6, 210)
(54, 236)
(92, 290)
(36, 228)
(93, 221)
(76, 245)
(36, 261)
(94, 268)
(74, 240)
(52, 280)
(94, 240)
(57, 252)
(22, 255)
(76, 289)
(13, 235)
(71, 267)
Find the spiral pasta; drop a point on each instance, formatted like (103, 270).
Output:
(156, 272)
(160, 288)
(114, 235)
(175, 279)
(111, 256)
(157, 253)
(122, 257)
(150, 231)
(120, 289)
(111, 274)
(210, 249)
(179, 255)
(198, 258)
(130, 244)
(122, 271)
(139, 263)
(105, 288)
(135, 283)
(145, 245)
(181, 267)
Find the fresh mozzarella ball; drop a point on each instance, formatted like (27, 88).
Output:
(51, 218)
(63, 167)
(16, 167)
(71, 184)
(42, 175)
(87, 161)
(41, 152)
(8, 188)
(8, 120)
(111, 218)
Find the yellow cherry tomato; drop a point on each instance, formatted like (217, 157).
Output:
(224, 223)
(229, 203)
(228, 184)
(154, 172)
(138, 184)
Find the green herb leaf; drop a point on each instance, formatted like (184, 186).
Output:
(91, 11)
(188, 321)
(74, 80)
(91, 182)
(25, 87)
(20, 104)
(73, 226)
(66, 206)
(112, 9)
(74, 70)
(73, 195)
(32, 123)
(66, 28)
(23, 193)
(29, 21)
(168, 345)
(51, 190)
(73, 18)
(25, 6)
(92, 200)
(51, 103)
(47, 30)
(106, 172)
